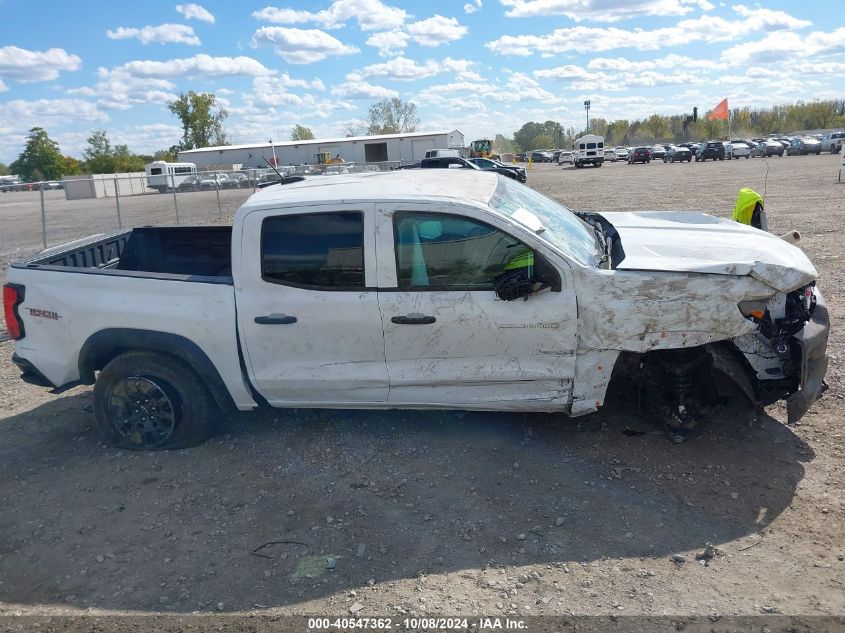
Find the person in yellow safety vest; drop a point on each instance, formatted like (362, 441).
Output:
(749, 209)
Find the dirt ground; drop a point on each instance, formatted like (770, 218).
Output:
(399, 513)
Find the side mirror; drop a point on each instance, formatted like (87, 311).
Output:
(515, 284)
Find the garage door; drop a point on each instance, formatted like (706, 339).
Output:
(420, 146)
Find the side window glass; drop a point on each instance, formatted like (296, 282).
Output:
(316, 250)
(445, 251)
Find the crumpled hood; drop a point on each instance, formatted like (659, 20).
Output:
(702, 243)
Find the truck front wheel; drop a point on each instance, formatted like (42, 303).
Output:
(152, 401)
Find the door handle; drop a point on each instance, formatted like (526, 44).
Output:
(275, 319)
(413, 319)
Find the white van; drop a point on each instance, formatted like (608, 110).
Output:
(589, 150)
(163, 176)
(440, 153)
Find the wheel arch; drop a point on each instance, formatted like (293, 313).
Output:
(103, 346)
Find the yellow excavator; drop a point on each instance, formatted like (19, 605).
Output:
(322, 160)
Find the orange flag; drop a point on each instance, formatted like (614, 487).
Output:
(720, 111)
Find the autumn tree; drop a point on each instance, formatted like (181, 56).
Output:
(392, 116)
(40, 158)
(301, 133)
(201, 118)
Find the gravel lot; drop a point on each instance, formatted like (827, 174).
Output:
(391, 513)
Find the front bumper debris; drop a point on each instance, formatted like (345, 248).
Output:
(812, 341)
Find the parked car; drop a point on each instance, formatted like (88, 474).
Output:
(621, 153)
(658, 152)
(767, 148)
(833, 142)
(710, 149)
(238, 180)
(566, 158)
(8, 184)
(737, 149)
(640, 155)
(213, 181)
(677, 154)
(191, 183)
(803, 146)
(540, 157)
(485, 295)
(511, 171)
(447, 162)
(610, 155)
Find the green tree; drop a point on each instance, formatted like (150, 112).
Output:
(656, 127)
(392, 116)
(201, 118)
(99, 158)
(4, 169)
(124, 160)
(301, 133)
(40, 158)
(71, 166)
(617, 132)
(543, 141)
(503, 145)
(168, 155)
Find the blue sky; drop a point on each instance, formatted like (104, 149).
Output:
(481, 66)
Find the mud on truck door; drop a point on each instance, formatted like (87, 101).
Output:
(449, 340)
(310, 326)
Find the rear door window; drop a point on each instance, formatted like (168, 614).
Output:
(316, 250)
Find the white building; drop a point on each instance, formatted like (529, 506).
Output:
(406, 148)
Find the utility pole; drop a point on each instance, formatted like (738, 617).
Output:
(587, 108)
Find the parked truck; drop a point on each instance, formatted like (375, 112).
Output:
(437, 289)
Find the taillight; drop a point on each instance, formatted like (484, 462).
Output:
(12, 298)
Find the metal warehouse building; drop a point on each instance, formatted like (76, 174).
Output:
(407, 148)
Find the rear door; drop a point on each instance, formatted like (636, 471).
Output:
(308, 320)
(449, 341)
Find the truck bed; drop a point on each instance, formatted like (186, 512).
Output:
(190, 253)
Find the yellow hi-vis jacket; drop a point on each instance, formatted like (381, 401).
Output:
(746, 201)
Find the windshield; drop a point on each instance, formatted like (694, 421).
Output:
(564, 231)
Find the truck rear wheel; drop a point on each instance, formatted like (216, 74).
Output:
(152, 401)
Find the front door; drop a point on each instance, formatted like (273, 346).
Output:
(449, 341)
(310, 326)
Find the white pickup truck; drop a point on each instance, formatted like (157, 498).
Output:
(417, 289)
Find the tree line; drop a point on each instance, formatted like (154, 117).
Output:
(745, 122)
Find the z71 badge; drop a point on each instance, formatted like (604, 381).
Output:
(45, 314)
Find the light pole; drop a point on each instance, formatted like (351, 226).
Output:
(587, 108)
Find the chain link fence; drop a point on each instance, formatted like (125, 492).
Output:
(39, 215)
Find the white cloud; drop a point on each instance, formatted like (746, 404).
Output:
(3, 86)
(402, 69)
(371, 15)
(518, 87)
(27, 66)
(461, 68)
(586, 39)
(162, 34)
(777, 47)
(195, 12)
(362, 90)
(201, 64)
(119, 90)
(436, 30)
(301, 46)
(472, 7)
(602, 10)
(389, 43)
(20, 114)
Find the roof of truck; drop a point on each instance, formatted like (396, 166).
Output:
(402, 184)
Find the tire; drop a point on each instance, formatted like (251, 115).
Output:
(184, 412)
(747, 156)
